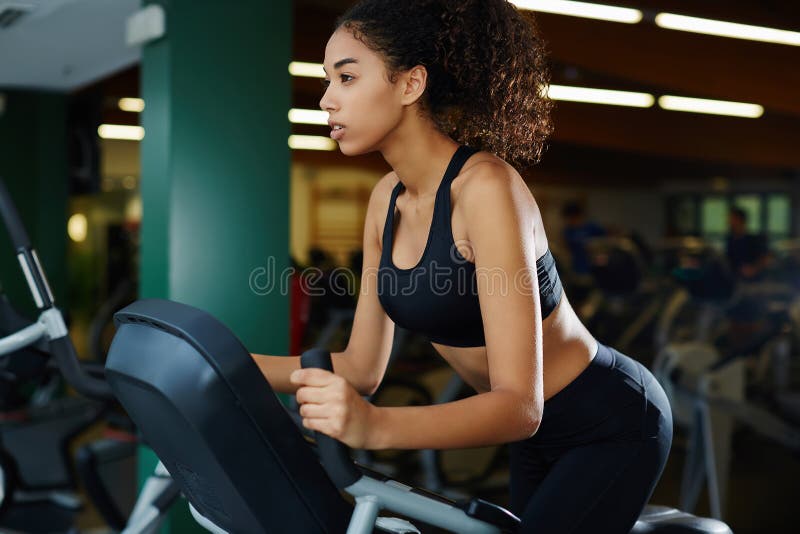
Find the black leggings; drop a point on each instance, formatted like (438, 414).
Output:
(598, 454)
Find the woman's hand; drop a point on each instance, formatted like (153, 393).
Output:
(329, 404)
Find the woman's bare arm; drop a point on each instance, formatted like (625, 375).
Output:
(364, 360)
(498, 203)
(276, 369)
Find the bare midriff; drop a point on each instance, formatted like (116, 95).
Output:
(567, 348)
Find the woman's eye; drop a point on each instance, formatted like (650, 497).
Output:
(343, 77)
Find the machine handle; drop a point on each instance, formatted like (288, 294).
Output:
(61, 347)
(13, 223)
(29, 261)
(333, 453)
(64, 354)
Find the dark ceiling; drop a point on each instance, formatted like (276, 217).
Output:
(645, 57)
(629, 143)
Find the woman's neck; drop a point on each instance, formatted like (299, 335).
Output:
(419, 153)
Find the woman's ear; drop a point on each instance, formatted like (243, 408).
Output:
(413, 83)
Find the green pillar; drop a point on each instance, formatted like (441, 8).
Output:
(33, 164)
(215, 167)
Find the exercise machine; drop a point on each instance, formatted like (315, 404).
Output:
(38, 477)
(626, 298)
(713, 389)
(34, 465)
(200, 401)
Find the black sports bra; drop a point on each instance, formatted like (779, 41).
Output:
(438, 297)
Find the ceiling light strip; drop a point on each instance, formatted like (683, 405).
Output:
(582, 9)
(600, 96)
(311, 142)
(119, 131)
(309, 70)
(720, 28)
(308, 116)
(133, 105)
(714, 107)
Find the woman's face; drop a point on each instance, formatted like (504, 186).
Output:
(363, 105)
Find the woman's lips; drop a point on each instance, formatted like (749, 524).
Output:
(337, 134)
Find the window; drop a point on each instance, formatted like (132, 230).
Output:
(714, 217)
(779, 216)
(683, 216)
(751, 204)
(706, 215)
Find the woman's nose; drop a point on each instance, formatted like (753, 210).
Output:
(326, 103)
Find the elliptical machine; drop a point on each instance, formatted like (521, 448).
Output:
(626, 299)
(241, 461)
(713, 390)
(37, 476)
(34, 459)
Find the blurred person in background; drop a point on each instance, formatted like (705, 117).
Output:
(577, 233)
(748, 254)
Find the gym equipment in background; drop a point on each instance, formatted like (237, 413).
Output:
(37, 475)
(624, 303)
(713, 388)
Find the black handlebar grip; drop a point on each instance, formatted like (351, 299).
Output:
(10, 215)
(333, 453)
(64, 353)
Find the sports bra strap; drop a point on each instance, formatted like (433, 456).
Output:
(389, 224)
(441, 216)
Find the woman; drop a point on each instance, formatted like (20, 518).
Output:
(454, 247)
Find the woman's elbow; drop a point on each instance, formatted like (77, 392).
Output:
(367, 385)
(371, 378)
(371, 383)
(344, 364)
(531, 419)
(370, 389)
(523, 414)
(530, 427)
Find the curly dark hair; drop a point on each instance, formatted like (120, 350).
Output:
(486, 62)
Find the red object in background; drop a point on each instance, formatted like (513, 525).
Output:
(299, 310)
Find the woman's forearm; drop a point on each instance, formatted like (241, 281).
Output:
(276, 369)
(485, 419)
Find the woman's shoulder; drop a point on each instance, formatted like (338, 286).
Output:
(493, 190)
(382, 190)
(487, 178)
